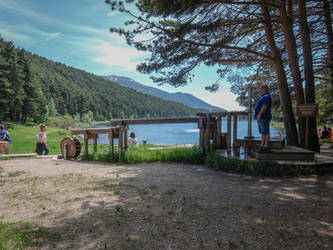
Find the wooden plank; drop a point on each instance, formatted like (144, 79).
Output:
(7, 156)
(201, 134)
(207, 133)
(92, 130)
(85, 144)
(222, 114)
(95, 143)
(116, 122)
(120, 140)
(111, 143)
(125, 137)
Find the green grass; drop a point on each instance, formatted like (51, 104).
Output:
(25, 137)
(21, 235)
(147, 153)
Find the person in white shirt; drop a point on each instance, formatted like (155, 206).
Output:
(132, 140)
(41, 141)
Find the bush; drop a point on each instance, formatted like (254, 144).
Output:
(326, 140)
(147, 153)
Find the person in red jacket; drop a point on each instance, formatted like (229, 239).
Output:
(330, 132)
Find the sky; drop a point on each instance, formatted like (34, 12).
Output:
(76, 33)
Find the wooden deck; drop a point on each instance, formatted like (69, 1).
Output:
(289, 153)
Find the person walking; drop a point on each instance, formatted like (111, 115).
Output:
(5, 140)
(263, 115)
(41, 141)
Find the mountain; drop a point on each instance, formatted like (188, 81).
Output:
(184, 98)
(32, 87)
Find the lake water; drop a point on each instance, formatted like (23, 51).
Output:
(174, 134)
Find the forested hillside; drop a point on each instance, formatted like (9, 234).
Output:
(33, 87)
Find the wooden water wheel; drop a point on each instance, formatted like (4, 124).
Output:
(72, 147)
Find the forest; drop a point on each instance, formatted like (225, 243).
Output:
(33, 88)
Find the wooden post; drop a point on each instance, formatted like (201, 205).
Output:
(85, 143)
(235, 131)
(202, 134)
(125, 137)
(218, 132)
(229, 131)
(120, 140)
(95, 143)
(307, 125)
(111, 142)
(207, 133)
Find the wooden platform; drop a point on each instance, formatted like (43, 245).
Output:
(289, 153)
(274, 143)
(11, 156)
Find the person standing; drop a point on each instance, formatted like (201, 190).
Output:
(325, 133)
(41, 141)
(5, 139)
(263, 115)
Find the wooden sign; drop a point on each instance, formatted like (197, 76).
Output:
(307, 110)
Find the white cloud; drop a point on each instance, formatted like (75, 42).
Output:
(223, 99)
(52, 35)
(123, 57)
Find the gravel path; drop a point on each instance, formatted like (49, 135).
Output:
(165, 206)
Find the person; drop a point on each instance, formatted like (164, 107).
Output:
(5, 140)
(41, 141)
(330, 133)
(262, 113)
(319, 132)
(132, 140)
(325, 133)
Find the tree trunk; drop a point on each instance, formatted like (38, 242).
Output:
(308, 73)
(289, 119)
(287, 27)
(329, 33)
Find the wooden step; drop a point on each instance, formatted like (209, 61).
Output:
(291, 153)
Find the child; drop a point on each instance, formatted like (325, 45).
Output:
(5, 139)
(132, 140)
(41, 141)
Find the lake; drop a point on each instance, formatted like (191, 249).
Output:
(186, 133)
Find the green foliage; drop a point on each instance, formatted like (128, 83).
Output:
(326, 140)
(21, 235)
(150, 153)
(25, 137)
(32, 87)
(324, 99)
(63, 121)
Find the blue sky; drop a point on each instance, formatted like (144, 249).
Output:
(76, 33)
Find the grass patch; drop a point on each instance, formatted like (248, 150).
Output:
(147, 153)
(24, 138)
(22, 235)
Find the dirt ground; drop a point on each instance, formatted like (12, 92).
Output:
(165, 206)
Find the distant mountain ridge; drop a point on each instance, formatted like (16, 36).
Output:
(184, 98)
